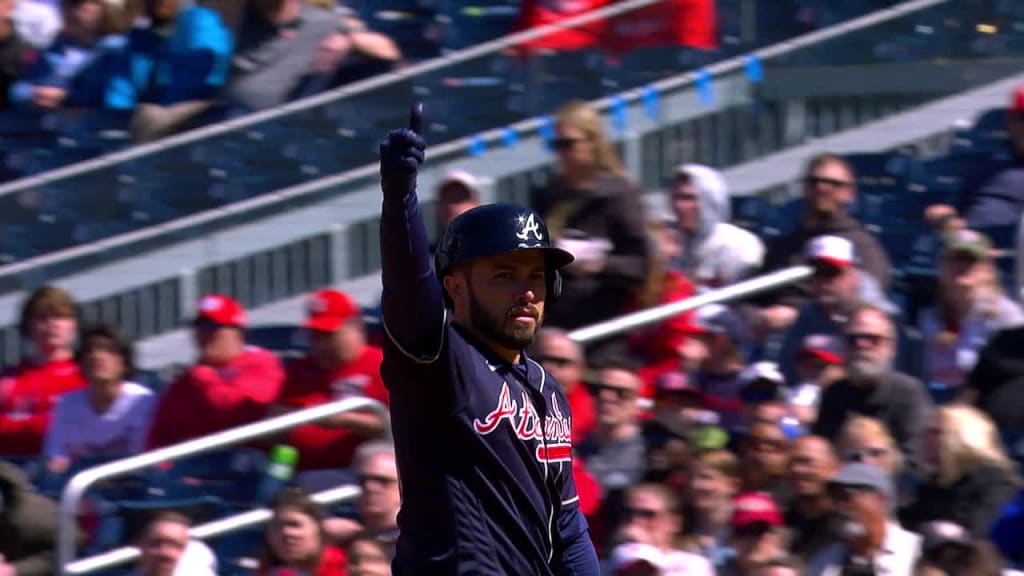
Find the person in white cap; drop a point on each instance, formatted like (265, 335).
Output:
(457, 193)
(714, 252)
(839, 284)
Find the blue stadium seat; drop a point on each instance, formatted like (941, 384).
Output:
(471, 22)
(233, 475)
(121, 522)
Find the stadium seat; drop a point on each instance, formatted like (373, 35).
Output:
(121, 522)
(468, 23)
(233, 475)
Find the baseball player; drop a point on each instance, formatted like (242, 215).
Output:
(482, 433)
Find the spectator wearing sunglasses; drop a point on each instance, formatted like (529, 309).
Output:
(838, 286)
(379, 500)
(764, 456)
(829, 187)
(651, 517)
(594, 210)
(614, 452)
(874, 388)
(563, 358)
(867, 540)
(758, 533)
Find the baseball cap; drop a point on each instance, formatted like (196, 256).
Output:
(675, 382)
(834, 250)
(220, 310)
(969, 242)
(861, 475)
(755, 507)
(824, 347)
(328, 310)
(939, 533)
(762, 382)
(464, 179)
(633, 553)
(717, 319)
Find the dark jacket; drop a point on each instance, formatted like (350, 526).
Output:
(28, 525)
(998, 380)
(899, 401)
(614, 211)
(790, 250)
(974, 501)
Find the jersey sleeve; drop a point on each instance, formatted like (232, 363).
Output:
(413, 312)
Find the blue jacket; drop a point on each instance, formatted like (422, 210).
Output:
(83, 71)
(191, 62)
(483, 447)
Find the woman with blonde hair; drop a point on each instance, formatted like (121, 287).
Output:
(593, 210)
(970, 308)
(868, 440)
(973, 478)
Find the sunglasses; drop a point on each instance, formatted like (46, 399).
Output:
(826, 271)
(866, 453)
(766, 444)
(829, 182)
(640, 514)
(367, 479)
(556, 361)
(564, 143)
(620, 393)
(857, 338)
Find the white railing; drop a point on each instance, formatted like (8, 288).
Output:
(220, 527)
(76, 488)
(743, 289)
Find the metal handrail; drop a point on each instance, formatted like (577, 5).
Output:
(743, 289)
(75, 489)
(528, 126)
(248, 519)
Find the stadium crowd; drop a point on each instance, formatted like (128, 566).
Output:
(781, 435)
(174, 64)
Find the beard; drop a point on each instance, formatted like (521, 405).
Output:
(865, 370)
(501, 328)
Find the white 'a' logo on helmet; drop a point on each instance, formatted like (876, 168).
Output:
(528, 225)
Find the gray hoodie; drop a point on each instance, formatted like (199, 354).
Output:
(717, 253)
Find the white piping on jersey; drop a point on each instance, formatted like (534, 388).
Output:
(544, 443)
(413, 357)
(570, 500)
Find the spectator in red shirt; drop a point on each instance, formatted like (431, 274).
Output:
(29, 391)
(295, 538)
(563, 358)
(341, 365)
(231, 385)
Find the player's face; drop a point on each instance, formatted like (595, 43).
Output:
(505, 297)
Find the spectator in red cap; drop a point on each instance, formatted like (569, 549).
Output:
(340, 365)
(818, 363)
(29, 391)
(563, 358)
(231, 385)
(757, 532)
(993, 195)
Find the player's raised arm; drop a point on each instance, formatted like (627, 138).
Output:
(412, 304)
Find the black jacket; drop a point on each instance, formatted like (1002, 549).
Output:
(974, 501)
(998, 380)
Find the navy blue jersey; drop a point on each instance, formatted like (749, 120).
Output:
(483, 447)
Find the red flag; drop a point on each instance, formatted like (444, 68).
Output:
(535, 13)
(670, 22)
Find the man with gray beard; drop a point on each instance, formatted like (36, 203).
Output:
(872, 387)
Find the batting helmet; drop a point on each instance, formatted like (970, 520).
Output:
(494, 229)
